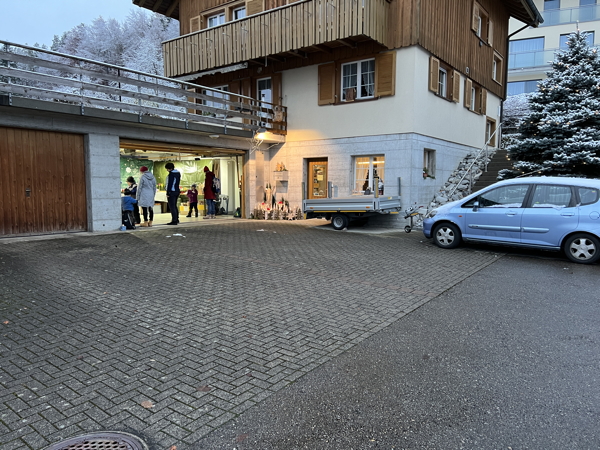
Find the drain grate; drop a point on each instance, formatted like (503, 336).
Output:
(108, 440)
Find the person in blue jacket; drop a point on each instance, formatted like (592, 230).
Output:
(172, 186)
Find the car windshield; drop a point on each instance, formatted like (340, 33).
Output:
(511, 196)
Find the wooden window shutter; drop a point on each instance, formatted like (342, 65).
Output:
(483, 110)
(327, 84)
(468, 92)
(276, 94)
(195, 24)
(456, 86)
(490, 37)
(475, 19)
(385, 74)
(254, 7)
(191, 100)
(234, 88)
(434, 73)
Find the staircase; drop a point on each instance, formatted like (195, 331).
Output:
(498, 162)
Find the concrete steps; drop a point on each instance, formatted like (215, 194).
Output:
(499, 162)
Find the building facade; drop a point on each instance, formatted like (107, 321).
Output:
(380, 95)
(532, 49)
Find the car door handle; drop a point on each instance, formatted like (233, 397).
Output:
(567, 214)
(511, 213)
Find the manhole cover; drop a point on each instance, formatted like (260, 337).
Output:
(107, 440)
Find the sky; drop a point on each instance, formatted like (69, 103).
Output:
(37, 21)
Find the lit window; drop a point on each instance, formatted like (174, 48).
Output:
(368, 171)
(358, 80)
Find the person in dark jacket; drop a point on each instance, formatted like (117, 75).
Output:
(173, 191)
(133, 190)
(192, 195)
(209, 194)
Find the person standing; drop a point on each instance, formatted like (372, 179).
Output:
(173, 192)
(146, 190)
(209, 194)
(192, 195)
(133, 190)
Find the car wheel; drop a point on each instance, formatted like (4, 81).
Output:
(339, 221)
(446, 235)
(582, 248)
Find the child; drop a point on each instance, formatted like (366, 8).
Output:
(192, 195)
(127, 205)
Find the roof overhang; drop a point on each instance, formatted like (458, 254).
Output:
(169, 8)
(525, 11)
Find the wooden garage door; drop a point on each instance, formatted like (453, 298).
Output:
(42, 182)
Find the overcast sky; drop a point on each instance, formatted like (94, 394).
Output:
(31, 21)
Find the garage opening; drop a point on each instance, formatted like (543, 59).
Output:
(227, 164)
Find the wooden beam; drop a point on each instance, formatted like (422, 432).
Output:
(298, 53)
(141, 3)
(347, 43)
(172, 8)
(323, 48)
(157, 5)
(276, 58)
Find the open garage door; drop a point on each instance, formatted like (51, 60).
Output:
(43, 182)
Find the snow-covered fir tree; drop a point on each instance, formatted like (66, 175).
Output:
(561, 133)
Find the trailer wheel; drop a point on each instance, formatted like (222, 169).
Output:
(407, 229)
(339, 221)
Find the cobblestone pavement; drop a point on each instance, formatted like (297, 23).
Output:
(168, 337)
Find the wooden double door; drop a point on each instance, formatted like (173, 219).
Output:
(42, 183)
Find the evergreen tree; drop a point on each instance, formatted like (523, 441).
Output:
(561, 134)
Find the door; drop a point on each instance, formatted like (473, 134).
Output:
(553, 214)
(317, 178)
(498, 215)
(43, 182)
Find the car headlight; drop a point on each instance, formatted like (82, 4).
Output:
(431, 213)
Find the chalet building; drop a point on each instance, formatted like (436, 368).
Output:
(531, 50)
(397, 91)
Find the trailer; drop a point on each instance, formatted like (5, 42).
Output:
(343, 210)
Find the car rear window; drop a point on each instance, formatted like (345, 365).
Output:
(551, 196)
(587, 196)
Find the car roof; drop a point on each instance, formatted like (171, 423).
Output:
(586, 182)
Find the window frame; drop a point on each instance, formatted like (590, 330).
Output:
(490, 131)
(475, 97)
(481, 24)
(371, 172)
(217, 14)
(429, 162)
(358, 87)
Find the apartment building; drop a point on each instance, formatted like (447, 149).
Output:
(532, 49)
(398, 91)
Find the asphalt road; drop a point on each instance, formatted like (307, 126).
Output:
(507, 359)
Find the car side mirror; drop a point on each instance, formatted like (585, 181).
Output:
(475, 206)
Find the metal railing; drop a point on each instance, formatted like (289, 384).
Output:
(36, 73)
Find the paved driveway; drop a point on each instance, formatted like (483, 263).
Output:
(169, 337)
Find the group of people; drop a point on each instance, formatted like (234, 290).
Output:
(142, 195)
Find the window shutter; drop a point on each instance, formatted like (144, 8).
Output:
(434, 73)
(254, 7)
(327, 84)
(385, 74)
(468, 88)
(276, 95)
(483, 101)
(475, 19)
(195, 24)
(456, 86)
(490, 36)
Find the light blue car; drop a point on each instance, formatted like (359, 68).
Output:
(551, 213)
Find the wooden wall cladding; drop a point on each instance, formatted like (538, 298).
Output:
(42, 183)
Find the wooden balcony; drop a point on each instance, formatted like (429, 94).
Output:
(289, 28)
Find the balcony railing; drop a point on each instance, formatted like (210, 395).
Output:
(532, 59)
(570, 15)
(285, 29)
(39, 74)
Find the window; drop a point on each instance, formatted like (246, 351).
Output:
(490, 132)
(265, 94)
(475, 97)
(522, 87)
(481, 24)
(216, 20)
(511, 196)
(358, 80)
(443, 81)
(548, 196)
(367, 171)
(239, 13)
(216, 95)
(551, 4)
(497, 68)
(587, 2)
(587, 196)
(429, 162)
(565, 37)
